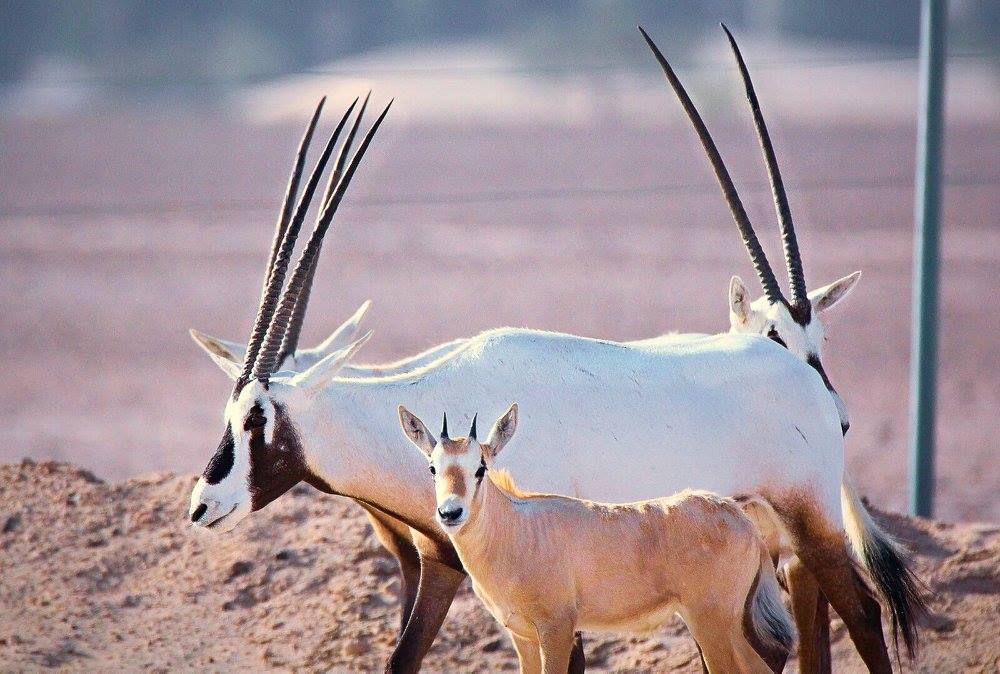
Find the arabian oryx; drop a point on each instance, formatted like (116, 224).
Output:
(795, 323)
(733, 414)
(545, 565)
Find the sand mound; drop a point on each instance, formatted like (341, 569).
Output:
(95, 576)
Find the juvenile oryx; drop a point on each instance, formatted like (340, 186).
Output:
(617, 422)
(545, 565)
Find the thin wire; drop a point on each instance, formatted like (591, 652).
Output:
(475, 197)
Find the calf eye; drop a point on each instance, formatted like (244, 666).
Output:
(254, 421)
(433, 471)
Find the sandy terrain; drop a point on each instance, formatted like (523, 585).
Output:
(101, 577)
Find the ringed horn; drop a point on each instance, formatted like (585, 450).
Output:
(799, 301)
(276, 307)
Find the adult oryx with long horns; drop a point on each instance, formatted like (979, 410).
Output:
(795, 323)
(737, 414)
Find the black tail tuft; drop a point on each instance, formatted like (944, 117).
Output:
(888, 567)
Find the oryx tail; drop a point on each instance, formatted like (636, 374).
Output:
(889, 568)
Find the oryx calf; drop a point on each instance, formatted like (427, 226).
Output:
(546, 565)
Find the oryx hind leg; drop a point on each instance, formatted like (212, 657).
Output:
(812, 618)
(821, 544)
(722, 644)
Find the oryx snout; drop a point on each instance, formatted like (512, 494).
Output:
(452, 512)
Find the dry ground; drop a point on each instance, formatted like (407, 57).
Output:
(104, 577)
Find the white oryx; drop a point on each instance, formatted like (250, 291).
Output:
(617, 422)
(545, 565)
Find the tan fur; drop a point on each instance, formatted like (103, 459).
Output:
(548, 565)
(454, 480)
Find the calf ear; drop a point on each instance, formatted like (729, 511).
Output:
(416, 431)
(503, 431)
(739, 302)
(826, 297)
(320, 374)
(227, 355)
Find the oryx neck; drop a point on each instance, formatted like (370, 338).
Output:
(353, 444)
(492, 527)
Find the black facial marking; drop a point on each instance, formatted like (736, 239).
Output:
(198, 512)
(481, 471)
(220, 464)
(773, 335)
(277, 466)
(801, 313)
(813, 360)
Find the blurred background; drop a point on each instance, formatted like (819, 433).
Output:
(535, 170)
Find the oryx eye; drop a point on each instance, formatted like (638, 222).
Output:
(254, 421)
(481, 471)
(433, 472)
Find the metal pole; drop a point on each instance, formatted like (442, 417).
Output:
(923, 360)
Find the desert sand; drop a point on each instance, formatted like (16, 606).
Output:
(103, 577)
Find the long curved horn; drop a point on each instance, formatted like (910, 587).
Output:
(267, 360)
(269, 300)
(290, 342)
(283, 218)
(793, 261)
(771, 288)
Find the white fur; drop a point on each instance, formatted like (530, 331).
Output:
(607, 421)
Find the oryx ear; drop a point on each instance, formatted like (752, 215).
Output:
(320, 374)
(231, 351)
(416, 431)
(227, 355)
(502, 432)
(826, 297)
(345, 334)
(739, 302)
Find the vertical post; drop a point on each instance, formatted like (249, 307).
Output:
(923, 360)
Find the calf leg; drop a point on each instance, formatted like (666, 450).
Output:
(812, 619)
(722, 644)
(438, 585)
(556, 645)
(529, 656)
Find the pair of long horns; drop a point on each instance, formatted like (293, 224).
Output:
(280, 314)
(793, 260)
(444, 427)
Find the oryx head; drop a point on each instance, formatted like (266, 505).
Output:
(458, 464)
(261, 454)
(795, 322)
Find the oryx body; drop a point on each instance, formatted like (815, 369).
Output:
(742, 415)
